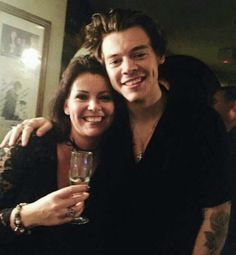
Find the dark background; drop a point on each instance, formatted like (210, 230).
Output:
(205, 29)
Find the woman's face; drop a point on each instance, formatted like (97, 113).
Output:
(90, 106)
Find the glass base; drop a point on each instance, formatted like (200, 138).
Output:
(80, 220)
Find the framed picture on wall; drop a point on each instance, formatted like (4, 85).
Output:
(24, 44)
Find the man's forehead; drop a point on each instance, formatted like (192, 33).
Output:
(131, 39)
(219, 94)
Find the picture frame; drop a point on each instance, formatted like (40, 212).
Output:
(24, 46)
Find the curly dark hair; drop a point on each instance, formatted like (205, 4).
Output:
(78, 66)
(118, 20)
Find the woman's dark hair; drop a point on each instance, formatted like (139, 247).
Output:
(78, 66)
(117, 20)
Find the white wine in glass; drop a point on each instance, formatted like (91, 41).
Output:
(81, 168)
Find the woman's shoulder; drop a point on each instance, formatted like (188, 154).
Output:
(50, 137)
(36, 147)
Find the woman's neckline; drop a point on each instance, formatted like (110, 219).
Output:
(75, 147)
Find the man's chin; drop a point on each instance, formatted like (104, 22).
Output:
(133, 99)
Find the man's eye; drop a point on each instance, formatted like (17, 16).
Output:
(139, 55)
(115, 62)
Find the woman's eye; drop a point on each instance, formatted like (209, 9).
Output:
(105, 98)
(81, 97)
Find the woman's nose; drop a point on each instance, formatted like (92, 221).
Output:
(94, 105)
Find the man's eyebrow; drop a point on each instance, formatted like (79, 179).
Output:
(112, 56)
(139, 47)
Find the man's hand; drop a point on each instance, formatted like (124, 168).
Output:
(24, 130)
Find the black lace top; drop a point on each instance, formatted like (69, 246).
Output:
(27, 174)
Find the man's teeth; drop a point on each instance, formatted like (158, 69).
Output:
(134, 81)
(93, 119)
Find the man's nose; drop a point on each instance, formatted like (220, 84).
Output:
(128, 66)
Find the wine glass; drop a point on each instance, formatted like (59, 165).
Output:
(81, 166)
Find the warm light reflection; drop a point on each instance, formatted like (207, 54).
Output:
(226, 61)
(30, 57)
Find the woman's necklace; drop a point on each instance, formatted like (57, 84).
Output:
(75, 147)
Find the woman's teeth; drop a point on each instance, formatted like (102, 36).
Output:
(93, 119)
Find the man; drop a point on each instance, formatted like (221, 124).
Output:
(165, 186)
(224, 102)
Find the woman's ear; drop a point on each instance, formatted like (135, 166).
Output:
(66, 108)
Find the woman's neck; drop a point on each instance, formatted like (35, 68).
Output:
(84, 143)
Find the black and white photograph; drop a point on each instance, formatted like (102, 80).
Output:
(24, 40)
(15, 41)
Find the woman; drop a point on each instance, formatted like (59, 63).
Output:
(35, 196)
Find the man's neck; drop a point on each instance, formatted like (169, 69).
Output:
(144, 111)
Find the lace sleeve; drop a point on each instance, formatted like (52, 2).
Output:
(5, 158)
(18, 173)
(6, 186)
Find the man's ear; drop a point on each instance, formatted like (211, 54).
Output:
(232, 111)
(162, 59)
(233, 114)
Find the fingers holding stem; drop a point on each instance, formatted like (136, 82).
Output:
(52, 209)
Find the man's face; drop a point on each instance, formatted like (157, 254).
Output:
(222, 107)
(132, 64)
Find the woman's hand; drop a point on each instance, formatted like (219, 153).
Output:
(54, 208)
(24, 130)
